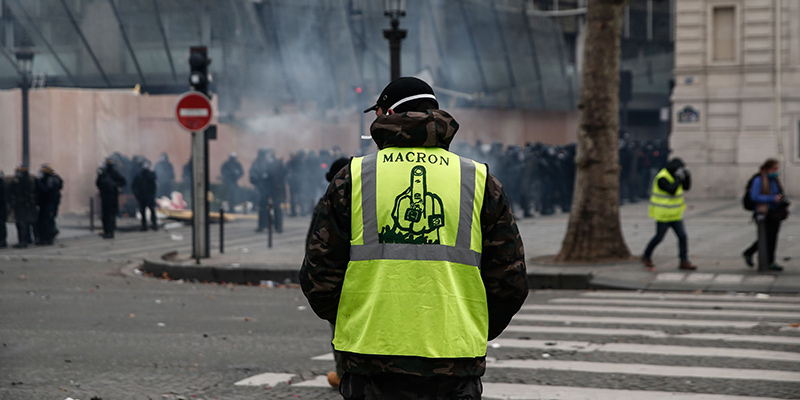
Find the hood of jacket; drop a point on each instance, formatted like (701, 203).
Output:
(433, 128)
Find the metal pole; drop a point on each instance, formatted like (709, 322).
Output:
(395, 36)
(91, 214)
(26, 83)
(221, 230)
(199, 197)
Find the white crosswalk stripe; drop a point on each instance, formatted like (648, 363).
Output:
(612, 345)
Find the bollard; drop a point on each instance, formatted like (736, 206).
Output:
(221, 230)
(763, 253)
(91, 214)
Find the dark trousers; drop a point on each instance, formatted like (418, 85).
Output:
(661, 230)
(772, 227)
(46, 225)
(109, 213)
(143, 207)
(409, 387)
(3, 233)
(263, 214)
(24, 232)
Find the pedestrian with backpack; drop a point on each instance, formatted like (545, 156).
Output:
(770, 207)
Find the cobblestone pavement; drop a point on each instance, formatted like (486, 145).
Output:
(93, 329)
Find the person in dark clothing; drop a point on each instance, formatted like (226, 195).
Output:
(109, 181)
(145, 185)
(267, 175)
(3, 211)
(165, 176)
(232, 171)
(334, 377)
(766, 192)
(412, 319)
(48, 197)
(22, 196)
(666, 207)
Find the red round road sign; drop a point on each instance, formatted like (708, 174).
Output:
(193, 111)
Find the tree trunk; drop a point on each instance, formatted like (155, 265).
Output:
(594, 232)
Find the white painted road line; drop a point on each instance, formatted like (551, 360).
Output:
(669, 311)
(725, 337)
(652, 370)
(672, 303)
(633, 321)
(694, 296)
(518, 391)
(266, 379)
(650, 349)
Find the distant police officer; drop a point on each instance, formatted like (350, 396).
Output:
(232, 171)
(266, 174)
(144, 188)
(109, 181)
(165, 176)
(22, 196)
(48, 197)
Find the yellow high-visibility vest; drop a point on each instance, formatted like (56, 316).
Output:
(665, 207)
(413, 285)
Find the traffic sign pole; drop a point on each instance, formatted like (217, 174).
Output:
(199, 197)
(194, 113)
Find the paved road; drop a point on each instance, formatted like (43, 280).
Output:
(86, 329)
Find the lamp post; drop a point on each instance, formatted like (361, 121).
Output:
(25, 60)
(394, 9)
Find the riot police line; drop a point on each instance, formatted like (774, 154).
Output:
(538, 178)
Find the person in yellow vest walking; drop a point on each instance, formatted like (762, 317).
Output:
(415, 256)
(666, 207)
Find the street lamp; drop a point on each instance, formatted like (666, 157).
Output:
(25, 60)
(394, 9)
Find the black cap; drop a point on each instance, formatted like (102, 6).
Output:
(403, 90)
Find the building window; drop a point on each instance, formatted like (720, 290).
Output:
(723, 28)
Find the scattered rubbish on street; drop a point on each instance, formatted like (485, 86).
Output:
(762, 296)
(267, 283)
(161, 324)
(545, 355)
(137, 271)
(158, 301)
(176, 237)
(495, 345)
(301, 308)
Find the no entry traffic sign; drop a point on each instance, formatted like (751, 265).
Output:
(193, 111)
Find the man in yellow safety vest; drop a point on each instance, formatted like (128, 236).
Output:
(666, 207)
(415, 256)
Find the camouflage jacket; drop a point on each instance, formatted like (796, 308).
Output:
(328, 250)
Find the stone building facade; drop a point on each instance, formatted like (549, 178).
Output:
(736, 100)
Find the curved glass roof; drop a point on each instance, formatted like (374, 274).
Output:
(476, 53)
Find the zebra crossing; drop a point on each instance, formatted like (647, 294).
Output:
(632, 345)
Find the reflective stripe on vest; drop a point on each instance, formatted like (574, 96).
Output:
(413, 285)
(665, 207)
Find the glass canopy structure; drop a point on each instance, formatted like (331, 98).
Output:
(310, 53)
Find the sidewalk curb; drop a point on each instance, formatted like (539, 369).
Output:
(215, 273)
